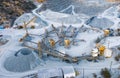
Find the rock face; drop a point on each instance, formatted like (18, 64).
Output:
(101, 23)
(23, 60)
(13, 8)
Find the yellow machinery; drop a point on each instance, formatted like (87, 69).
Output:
(106, 32)
(67, 42)
(52, 42)
(40, 1)
(101, 48)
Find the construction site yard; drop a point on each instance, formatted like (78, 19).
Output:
(71, 39)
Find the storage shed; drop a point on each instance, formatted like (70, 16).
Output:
(50, 73)
(63, 72)
(69, 72)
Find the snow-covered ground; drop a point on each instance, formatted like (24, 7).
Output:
(48, 17)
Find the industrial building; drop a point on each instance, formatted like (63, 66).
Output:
(64, 72)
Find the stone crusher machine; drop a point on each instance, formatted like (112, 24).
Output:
(66, 35)
(102, 51)
(42, 46)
